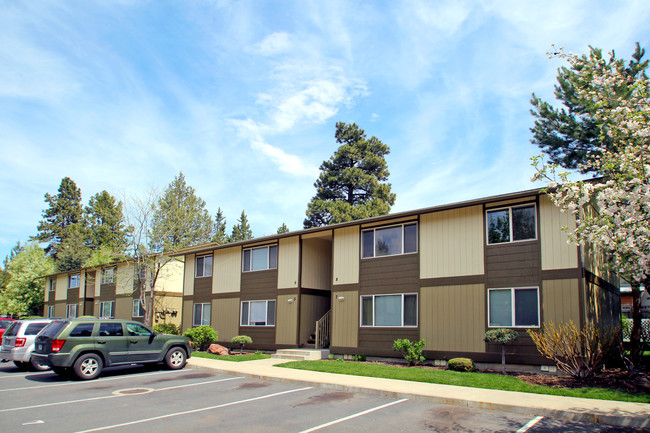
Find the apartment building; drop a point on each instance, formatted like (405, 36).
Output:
(109, 291)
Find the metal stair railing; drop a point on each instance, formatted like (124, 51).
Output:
(323, 331)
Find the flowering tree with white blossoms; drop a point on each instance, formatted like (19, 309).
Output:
(613, 212)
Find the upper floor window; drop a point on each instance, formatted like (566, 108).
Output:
(74, 281)
(260, 259)
(204, 266)
(52, 284)
(108, 275)
(389, 310)
(512, 224)
(516, 307)
(390, 241)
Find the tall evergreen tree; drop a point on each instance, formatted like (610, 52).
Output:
(105, 222)
(64, 212)
(352, 183)
(242, 230)
(219, 228)
(73, 252)
(570, 135)
(283, 229)
(180, 218)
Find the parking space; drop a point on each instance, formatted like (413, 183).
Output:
(140, 399)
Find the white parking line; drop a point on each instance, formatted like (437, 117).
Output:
(187, 412)
(529, 424)
(58, 403)
(336, 421)
(85, 382)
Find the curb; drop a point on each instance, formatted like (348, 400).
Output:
(627, 419)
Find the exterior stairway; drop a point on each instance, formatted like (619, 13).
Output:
(301, 354)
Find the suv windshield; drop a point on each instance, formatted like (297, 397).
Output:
(53, 328)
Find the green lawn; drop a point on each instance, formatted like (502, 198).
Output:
(446, 377)
(234, 358)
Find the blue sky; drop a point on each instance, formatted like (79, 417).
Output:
(243, 96)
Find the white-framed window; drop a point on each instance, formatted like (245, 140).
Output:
(511, 224)
(260, 258)
(398, 310)
(202, 314)
(513, 307)
(107, 310)
(74, 280)
(108, 275)
(50, 311)
(138, 309)
(71, 311)
(52, 285)
(389, 241)
(204, 266)
(258, 313)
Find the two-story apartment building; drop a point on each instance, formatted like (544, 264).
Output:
(445, 274)
(109, 291)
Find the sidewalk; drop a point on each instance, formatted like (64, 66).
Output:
(567, 408)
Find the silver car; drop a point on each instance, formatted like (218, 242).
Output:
(18, 343)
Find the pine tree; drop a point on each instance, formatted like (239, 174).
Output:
(105, 221)
(220, 235)
(180, 218)
(64, 210)
(242, 230)
(570, 135)
(352, 183)
(73, 252)
(283, 229)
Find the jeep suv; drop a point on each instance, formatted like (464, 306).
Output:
(86, 346)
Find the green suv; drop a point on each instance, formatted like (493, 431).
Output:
(86, 346)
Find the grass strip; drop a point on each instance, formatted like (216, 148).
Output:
(474, 380)
(233, 358)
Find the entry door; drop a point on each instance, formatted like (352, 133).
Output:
(143, 346)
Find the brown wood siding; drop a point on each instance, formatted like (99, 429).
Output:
(394, 274)
(107, 292)
(513, 264)
(203, 289)
(259, 285)
(380, 340)
(72, 296)
(261, 335)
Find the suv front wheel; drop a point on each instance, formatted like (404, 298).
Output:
(88, 366)
(175, 358)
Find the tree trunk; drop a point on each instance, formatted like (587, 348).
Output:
(635, 333)
(503, 358)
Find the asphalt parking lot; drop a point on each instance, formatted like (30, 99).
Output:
(140, 399)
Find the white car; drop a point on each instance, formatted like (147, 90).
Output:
(18, 343)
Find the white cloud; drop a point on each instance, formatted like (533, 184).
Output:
(273, 44)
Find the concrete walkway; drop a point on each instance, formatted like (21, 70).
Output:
(567, 408)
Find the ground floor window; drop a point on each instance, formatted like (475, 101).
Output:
(71, 311)
(399, 310)
(258, 313)
(138, 309)
(107, 310)
(515, 307)
(50, 311)
(201, 315)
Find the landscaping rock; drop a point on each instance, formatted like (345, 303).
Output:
(218, 349)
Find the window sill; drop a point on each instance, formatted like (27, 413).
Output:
(512, 242)
(389, 255)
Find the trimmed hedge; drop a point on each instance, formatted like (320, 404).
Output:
(461, 364)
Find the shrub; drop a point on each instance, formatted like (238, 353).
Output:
(330, 356)
(501, 336)
(241, 341)
(201, 336)
(578, 353)
(461, 364)
(360, 358)
(167, 328)
(411, 351)
(339, 360)
(258, 353)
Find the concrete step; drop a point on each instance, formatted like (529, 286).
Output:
(304, 354)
